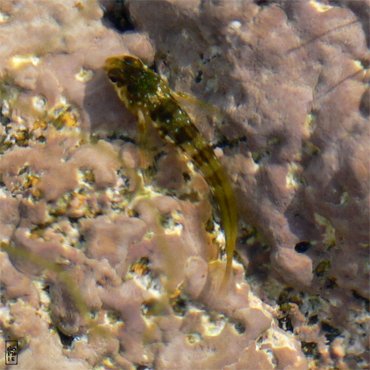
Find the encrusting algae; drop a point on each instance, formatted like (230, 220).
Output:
(72, 211)
(149, 98)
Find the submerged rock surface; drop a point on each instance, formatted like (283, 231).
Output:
(97, 274)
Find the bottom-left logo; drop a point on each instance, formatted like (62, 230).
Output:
(11, 352)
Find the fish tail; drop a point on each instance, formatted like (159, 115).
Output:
(229, 221)
(220, 185)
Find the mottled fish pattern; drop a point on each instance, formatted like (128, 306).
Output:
(148, 96)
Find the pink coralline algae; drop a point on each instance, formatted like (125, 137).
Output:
(106, 245)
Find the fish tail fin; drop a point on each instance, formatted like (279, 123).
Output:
(230, 245)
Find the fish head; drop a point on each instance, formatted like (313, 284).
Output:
(135, 83)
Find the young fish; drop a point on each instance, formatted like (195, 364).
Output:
(148, 96)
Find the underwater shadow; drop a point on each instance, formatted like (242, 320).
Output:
(104, 112)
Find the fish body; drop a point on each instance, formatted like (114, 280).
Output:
(148, 96)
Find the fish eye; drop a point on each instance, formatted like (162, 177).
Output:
(114, 76)
(129, 61)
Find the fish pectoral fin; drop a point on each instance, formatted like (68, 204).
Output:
(210, 108)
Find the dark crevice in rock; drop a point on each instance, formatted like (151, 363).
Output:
(302, 247)
(142, 367)
(285, 323)
(312, 320)
(359, 297)
(310, 349)
(330, 332)
(198, 77)
(65, 339)
(117, 16)
(223, 142)
(365, 104)
(330, 283)
(119, 136)
(264, 2)
(240, 327)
